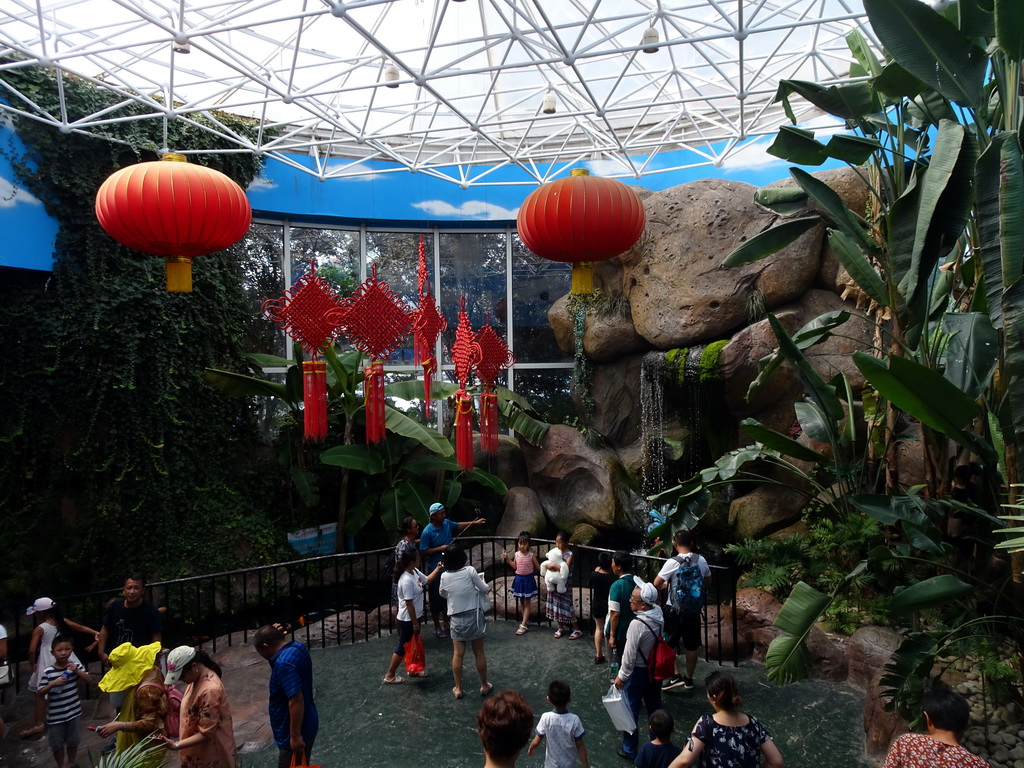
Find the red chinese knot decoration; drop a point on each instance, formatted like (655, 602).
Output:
(428, 323)
(174, 209)
(495, 357)
(466, 355)
(376, 320)
(581, 219)
(311, 313)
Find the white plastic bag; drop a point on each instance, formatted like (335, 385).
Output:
(618, 710)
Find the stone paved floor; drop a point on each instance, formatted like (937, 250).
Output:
(365, 724)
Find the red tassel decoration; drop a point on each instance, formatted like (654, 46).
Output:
(314, 398)
(464, 429)
(428, 323)
(489, 421)
(374, 390)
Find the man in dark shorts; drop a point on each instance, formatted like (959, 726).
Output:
(683, 623)
(434, 540)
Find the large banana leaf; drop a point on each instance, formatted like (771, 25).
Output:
(930, 593)
(269, 361)
(821, 393)
(787, 659)
(815, 424)
(780, 442)
(849, 101)
(922, 393)
(925, 248)
(306, 484)
(797, 145)
(988, 184)
(784, 201)
(909, 669)
(533, 429)
(400, 424)
(493, 482)
(240, 385)
(771, 241)
(406, 497)
(361, 458)
(814, 332)
(931, 48)
(856, 263)
(971, 352)
(412, 389)
(834, 207)
(1011, 208)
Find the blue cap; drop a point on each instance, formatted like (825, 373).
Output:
(436, 507)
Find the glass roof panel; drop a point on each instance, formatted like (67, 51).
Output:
(445, 87)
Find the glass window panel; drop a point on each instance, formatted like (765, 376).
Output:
(336, 252)
(396, 255)
(473, 266)
(263, 278)
(548, 391)
(536, 284)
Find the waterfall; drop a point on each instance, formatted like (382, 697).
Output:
(652, 422)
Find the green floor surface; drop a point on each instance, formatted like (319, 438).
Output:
(366, 724)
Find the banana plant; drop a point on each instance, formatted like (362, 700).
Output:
(393, 460)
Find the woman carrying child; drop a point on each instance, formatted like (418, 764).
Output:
(729, 738)
(524, 585)
(559, 604)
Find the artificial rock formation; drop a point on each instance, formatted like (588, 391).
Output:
(670, 292)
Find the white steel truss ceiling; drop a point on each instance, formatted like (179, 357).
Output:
(453, 89)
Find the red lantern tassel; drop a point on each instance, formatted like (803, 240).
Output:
(489, 421)
(464, 429)
(429, 366)
(374, 386)
(314, 397)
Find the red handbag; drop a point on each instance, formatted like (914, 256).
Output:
(415, 655)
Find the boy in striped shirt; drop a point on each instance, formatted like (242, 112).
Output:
(59, 686)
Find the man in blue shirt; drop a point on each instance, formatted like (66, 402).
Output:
(434, 540)
(293, 715)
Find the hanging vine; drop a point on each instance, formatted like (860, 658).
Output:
(114, 455)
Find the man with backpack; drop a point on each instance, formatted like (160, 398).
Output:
(687, 577)
(634, 677)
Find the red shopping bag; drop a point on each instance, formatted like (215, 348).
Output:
(299, 761)
(415, 656)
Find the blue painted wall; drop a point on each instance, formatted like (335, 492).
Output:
(27, 231)
(398, 198)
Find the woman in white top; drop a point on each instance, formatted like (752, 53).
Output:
(465, 592)
(410, 583)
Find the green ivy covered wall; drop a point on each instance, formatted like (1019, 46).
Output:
(114, 455)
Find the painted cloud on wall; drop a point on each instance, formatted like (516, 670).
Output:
(11, 195)
(470, 209)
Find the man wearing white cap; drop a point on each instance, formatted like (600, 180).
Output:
(434, 540)
(633, 677)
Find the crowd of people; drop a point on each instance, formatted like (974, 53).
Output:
(154, 716)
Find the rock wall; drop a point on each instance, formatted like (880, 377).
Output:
(670, 292)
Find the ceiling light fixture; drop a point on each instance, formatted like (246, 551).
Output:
(547, 106)
(650, 40)
(391, 76)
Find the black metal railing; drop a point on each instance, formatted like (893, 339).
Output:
(333, 599)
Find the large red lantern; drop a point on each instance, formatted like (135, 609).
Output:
(174, 209)
(581, 219)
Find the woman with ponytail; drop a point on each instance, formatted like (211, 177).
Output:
(729, 738)
(207, 737)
